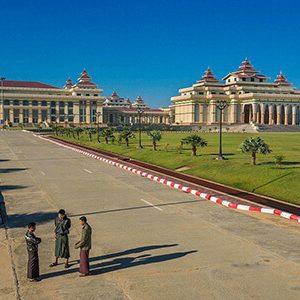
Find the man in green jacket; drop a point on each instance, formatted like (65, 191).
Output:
(85, 245)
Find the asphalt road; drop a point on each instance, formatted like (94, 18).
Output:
(149, 241)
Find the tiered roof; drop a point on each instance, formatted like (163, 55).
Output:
(85, 80)
(139, 100)
(68, 84)
(246, 70)
(208, 77)
(115, 95)
(281, 80)
(115, 99)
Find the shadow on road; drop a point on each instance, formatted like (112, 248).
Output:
(11, 187)
(4, 160)
(21, 220)
(133, 208)
(11, 170)
(129, 251)
(124, 262)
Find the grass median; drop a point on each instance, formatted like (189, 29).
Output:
(266, 178)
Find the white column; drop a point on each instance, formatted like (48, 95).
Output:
(200, 113)
(278, 108)
(262, 113)
(57, 111)
(212, 112)
(254, 113)
(232, 117)
(271, 120)
(294, 115)
(39, 115)
(76, 112)
(66, 111)
(286, 115)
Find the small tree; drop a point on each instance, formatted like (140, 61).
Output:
(78, 131)
(73, 130)
(195, 141)
(155, 136)
(54, 127)
(90, 133)
(68, 132)
(254, 146)
(108, 134)
(278, 159)
(60, 130)
(126, 134)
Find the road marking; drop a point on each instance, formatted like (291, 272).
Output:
(149, 203)
(88, 171)
(43, 173)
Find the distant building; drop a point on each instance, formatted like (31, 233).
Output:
(81, 103)
(250, 98)
(116, 101)
(120, 111)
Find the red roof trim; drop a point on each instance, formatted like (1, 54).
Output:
(27, 84)
(85, 83)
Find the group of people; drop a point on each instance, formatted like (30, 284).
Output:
(62, 249)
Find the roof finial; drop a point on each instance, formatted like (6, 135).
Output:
(281, 80)
(208, 76)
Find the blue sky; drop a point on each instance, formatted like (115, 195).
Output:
(149, 48)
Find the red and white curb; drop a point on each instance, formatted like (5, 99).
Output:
(264, 210)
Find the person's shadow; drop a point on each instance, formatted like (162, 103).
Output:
(121, 263)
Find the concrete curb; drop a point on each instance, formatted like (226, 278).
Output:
(197, 193)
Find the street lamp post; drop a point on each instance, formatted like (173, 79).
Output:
(2, 99)
(221, 105)
(98, 114)
(140, 112)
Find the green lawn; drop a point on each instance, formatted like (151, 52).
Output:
(265, 178)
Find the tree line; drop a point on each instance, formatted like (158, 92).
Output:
(251, 145)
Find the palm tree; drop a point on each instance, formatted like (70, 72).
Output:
(90, 132)
(155, 136)
(78, 131)
(126, 134)
(254, 146)
(108, 134)
(55, 127)
(60, 130)
(73, 130)
(195, 141)
(68, 131)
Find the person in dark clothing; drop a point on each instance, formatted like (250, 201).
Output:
(32, 242)
(62, 229)
(85, 245)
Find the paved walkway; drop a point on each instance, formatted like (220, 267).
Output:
(180, 248)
